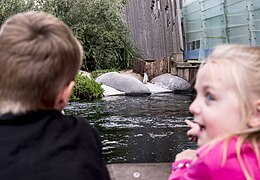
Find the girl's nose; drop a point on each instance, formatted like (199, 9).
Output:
(194, 108)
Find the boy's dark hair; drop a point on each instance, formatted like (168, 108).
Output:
(39, 55)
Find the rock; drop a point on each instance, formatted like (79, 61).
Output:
(156, 89)
(121, 82)
(109, 91)
(172, 82)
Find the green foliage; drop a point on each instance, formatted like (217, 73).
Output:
(86, 89)
(98, 25)
(97, 73)
(11, 7)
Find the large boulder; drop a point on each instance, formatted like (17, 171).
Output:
(121, 82)
(172, 82)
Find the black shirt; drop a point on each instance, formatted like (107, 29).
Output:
(46, 145)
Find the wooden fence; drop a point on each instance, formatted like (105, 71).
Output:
(172, 65)
(155, 27)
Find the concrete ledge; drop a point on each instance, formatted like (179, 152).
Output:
(139, 171)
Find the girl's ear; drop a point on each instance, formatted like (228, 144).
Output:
(63, 96)
(254, 121)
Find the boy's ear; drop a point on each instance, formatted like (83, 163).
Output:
(254, 121)
(63, 96)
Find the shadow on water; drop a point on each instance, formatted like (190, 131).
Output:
(139, 129)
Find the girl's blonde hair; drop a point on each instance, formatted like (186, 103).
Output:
(39, 55)
(241, 67)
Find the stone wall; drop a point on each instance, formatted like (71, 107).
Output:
(139, 171)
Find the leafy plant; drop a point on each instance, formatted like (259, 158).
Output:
(86, 89)
(98, 24)
(11, 7)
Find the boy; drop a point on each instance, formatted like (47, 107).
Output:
(39, 58)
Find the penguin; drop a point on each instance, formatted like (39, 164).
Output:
(145, 79)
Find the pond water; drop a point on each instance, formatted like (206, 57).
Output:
(139, 129)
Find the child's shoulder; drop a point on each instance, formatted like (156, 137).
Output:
(226, 151)
(217, 147)
(45, 118)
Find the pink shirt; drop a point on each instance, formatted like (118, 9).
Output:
(208, 165)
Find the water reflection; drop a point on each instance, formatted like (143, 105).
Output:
(139, 129)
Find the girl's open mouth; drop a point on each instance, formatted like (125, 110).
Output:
(202, 127)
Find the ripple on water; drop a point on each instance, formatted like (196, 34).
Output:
(138, 129)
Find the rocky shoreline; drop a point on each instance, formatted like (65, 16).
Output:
(129, 83)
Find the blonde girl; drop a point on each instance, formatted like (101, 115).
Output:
(226, 118)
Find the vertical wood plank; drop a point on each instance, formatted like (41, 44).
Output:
(149, 32)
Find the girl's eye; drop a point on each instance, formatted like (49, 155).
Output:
(210, 97)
